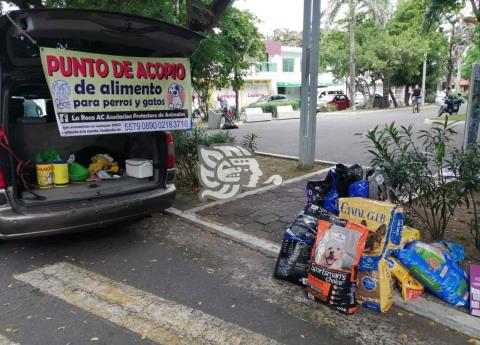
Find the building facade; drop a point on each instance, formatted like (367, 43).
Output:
(280, 73)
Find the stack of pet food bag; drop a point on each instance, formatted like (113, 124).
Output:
(349, 245)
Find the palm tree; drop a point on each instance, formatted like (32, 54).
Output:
(378, 9)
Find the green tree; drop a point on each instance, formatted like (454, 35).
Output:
(437, 10)
(376, 8)
(208, 70)
(242, 44)
(287, 37)
(407, 21)
(473, 55)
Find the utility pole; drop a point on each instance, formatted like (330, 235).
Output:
(310, 62)
(424, 78)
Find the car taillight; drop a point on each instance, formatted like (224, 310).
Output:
(170, 150)
(2, 180)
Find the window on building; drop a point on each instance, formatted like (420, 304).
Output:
(287, 65)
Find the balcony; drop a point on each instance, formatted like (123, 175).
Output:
(265, 67)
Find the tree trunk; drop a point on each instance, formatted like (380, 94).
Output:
(236, 104)
(407, 96)
(450, 62)
(207, 98)
(386, 91)
(394, 100)
(351, 29)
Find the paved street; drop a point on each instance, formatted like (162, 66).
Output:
(336, 140)
(159, 280)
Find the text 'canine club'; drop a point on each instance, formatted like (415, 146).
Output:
(360, 212)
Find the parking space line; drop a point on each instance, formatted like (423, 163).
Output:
(153, 317)
(6, 341)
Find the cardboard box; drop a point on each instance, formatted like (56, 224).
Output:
(475, 289)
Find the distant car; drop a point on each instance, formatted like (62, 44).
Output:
(377, 100)
(330, 92)
(270, 99)
(341, 102)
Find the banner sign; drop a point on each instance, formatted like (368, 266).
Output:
(105, 94)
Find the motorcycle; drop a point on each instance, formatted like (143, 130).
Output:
(450, 105)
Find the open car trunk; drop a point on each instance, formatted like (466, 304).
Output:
(29, 135)
(22, 82)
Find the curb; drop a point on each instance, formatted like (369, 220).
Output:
(256, 191)
(430, 121)
(441, 314)
(323, 114)
(293, 158)
(266, 247)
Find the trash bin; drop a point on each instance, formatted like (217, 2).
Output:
(214, 120)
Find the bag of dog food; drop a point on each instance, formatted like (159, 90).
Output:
(378, 186)
(437, 269)
(410, 287)
(294, 258)
(375, 290)
(383, 220)
(409, 235)
(335, 256)
(358, 189)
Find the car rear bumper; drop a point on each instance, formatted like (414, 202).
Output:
(49, 220)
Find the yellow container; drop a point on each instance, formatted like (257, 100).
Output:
(60, 174)
(45, 175)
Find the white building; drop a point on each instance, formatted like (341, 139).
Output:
(279, 74)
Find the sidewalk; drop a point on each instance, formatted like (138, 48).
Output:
(259, 220)
(263, 215)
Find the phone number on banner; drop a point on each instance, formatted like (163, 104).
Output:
(156, 125)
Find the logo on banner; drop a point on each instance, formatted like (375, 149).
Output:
(61, 94)
(225, 170)
(176, 96)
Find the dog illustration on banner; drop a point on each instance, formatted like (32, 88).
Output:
(61, 94)
(175, 96)
(224, 170)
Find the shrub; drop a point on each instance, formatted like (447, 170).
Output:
(466, 167)
(271, 107)
(415, 165)
(250, 141)
(186, 144)
(430, 97)
(327, 107)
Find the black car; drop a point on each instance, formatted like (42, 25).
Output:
(80, 205)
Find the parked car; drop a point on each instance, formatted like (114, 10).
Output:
(329, 92)
(272, 99)
(78, 206)
(341, 102)
(377, 100)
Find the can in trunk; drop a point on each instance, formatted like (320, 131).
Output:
(44, 175)
(60, 174)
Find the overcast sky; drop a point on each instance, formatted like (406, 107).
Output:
(275, 14)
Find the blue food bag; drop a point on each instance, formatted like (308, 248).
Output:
(358, 189)
(331, 200)
(437, 269)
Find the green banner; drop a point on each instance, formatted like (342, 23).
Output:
(105, 94)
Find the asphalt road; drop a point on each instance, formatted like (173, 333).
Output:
(162, 281)
(336, 138)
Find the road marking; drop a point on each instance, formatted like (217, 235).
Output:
(153, 317)
(6, 341)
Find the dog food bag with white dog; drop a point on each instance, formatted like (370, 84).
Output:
(410, 287)
(436, 266)
(294, 258)
(335, 256)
